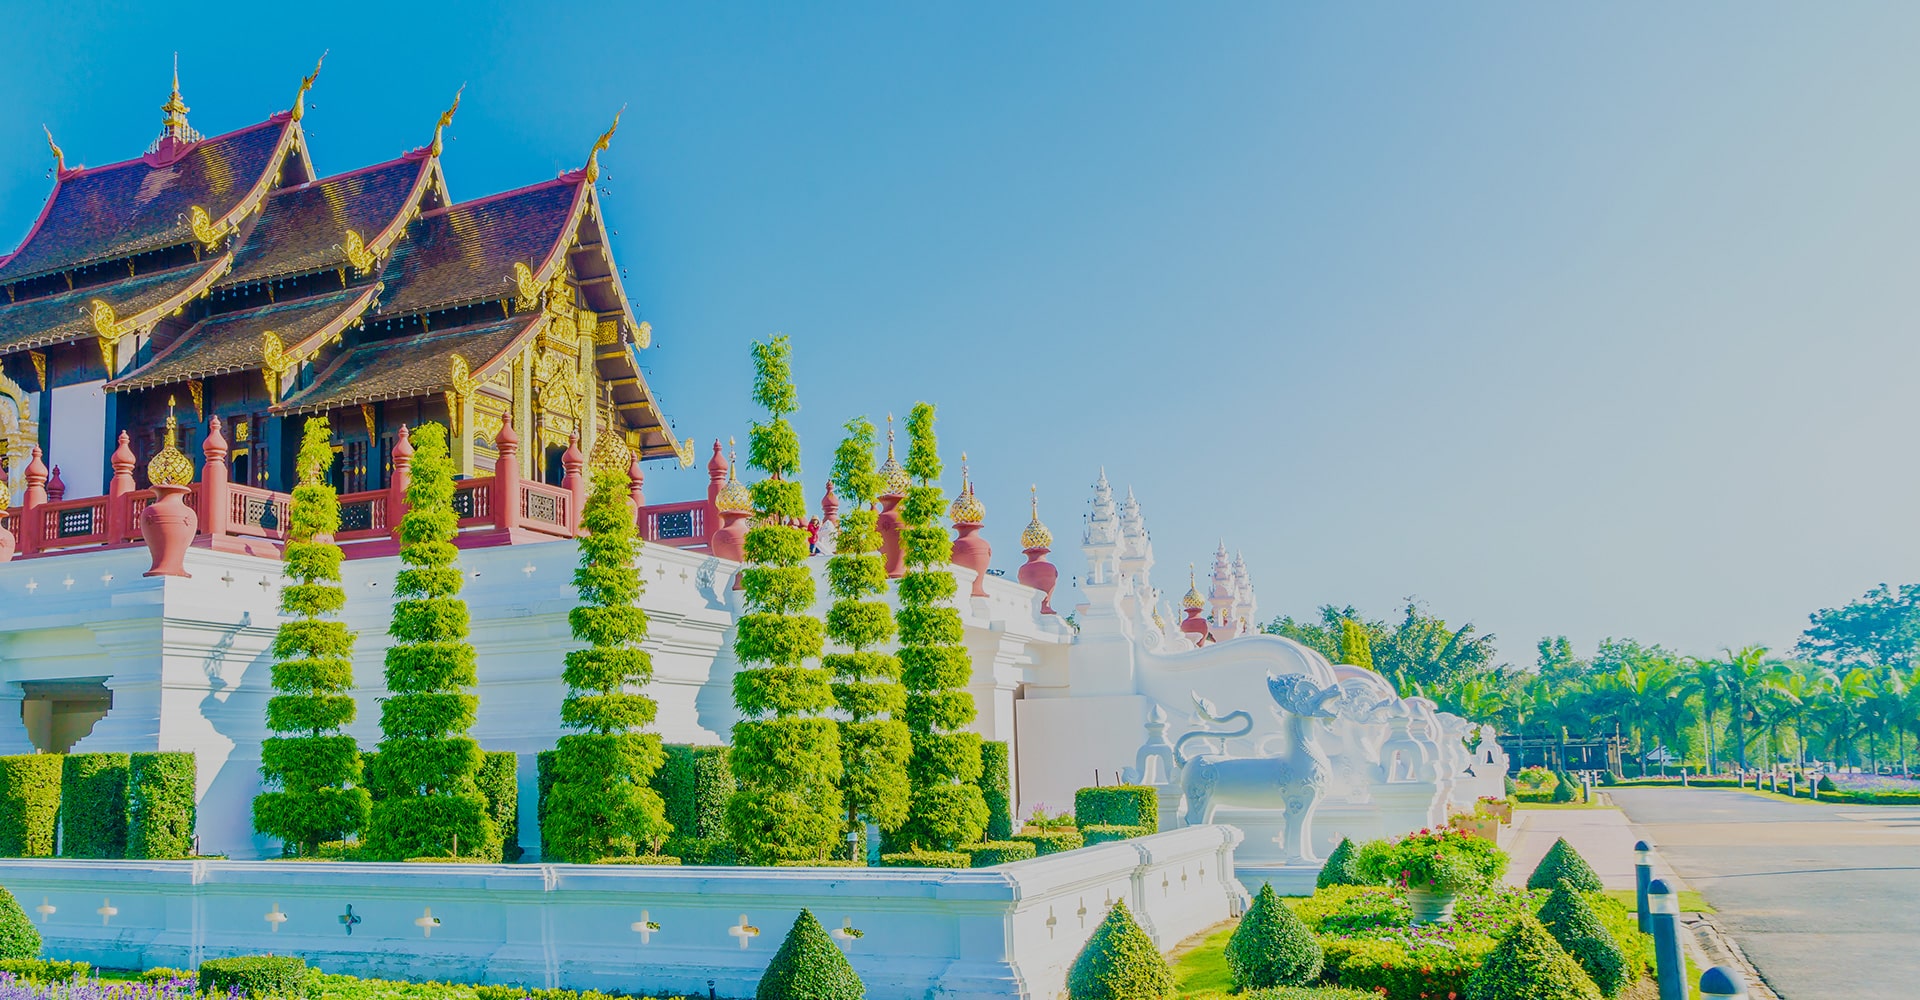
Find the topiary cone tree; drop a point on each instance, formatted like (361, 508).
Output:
(601, 804)
(1119, 962)
(1272, 947)
(1562, 863)
(809, 967)
(874, 743)
(311, 768)
(426, 801)
(1570, 918)
(786, 753)
(947, 808)
(1342, 866)
(1529, 963)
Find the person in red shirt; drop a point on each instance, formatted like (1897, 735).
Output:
(813, 536)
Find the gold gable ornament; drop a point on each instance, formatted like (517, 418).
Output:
(109, 329)
(357, 253)
(446, 119)
(529, 289)
(276, 362)
(600, 145)
(306, 84)
(204, 228)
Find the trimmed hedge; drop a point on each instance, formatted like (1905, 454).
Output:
(1117, 805)
(1389, 969)
(18, 939)
(1120, 962)
(1564, 864)
(822, 863)
(1052, 841)
(695, 783)
(1108, 834)
(499, 781)
(160, 810)
(639, 859)
(255, 975)
(926, 859)
(93, 799)
(1342, 866)
(162, 975)
(44, 970)
(1570, 918)
(543, 787)
(702, 850)
(1000, 852)
(995, 782)
(809, 967)
(1529, 963)
(1272, 947)
(29, 804)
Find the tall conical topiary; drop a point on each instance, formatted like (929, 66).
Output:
(1342, 867)
(426, 800)
(1272, 947)
(1564, 864)
(1569, 917)
(18, 939)
(874, 744)
(311, 769)
(948, 809)
(786, 754)
(1529, 963)
(1355, 647)
(809, 967)
(1119, 962)
(601, 803)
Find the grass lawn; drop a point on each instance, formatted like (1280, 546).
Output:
(1562, 805)
(1690, 901)
(1200, 962)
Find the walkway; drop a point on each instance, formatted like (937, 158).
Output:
(1821, 898)
(1602, 836)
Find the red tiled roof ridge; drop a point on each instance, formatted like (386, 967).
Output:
(146, 159)
(336, 178)
(497, 196)
(351, 302)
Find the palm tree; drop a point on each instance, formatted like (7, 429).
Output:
(1701, 680)
(1746, 677)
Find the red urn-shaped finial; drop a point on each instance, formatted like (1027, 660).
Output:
(968, 515)
(214, 449)
(36, 475)
(56, 489)
(506, 445)
(402, 449)
(636, 484)
(401, 474)
(1036, 541)
(574, 461)
(830, 505)
(123, 463)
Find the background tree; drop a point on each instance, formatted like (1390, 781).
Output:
(947, 809)
(312, 768)
(1355, 647)
(426, 801)
(1881, 629)
(601, 804)
(786, 755)
(874, 743)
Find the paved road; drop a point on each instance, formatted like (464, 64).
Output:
(1825, 900)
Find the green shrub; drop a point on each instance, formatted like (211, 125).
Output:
(255, 975)
(639, 859)
(1052, 841)
(44, 970)
(694, 784)
(1440, 860)
(543, 787)
(1272, 947)
(822, 863)
(18, 939)
(1623, 924)
(1108, 834)
(93, 799)
(29, 804)
(1117, 805)
(1397, 970)
(999, 852)
(1535, 778)
(160, 975)
(1564, 864)
(1119, 962)
(1825, 784)
(1569, 917)
(1566, 789)
(1529, 963)
(927, 859)
(1342, 866)
(702, 850)
(499, 781)
(1308, 993)
(809, 967)
(160, 811)
(995, 781)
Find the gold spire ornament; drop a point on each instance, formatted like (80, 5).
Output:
(1036, 535)
(600, 146)
(895, 479)
(173, 120)
(306, 84)
(1194, 601)
(734, 497)
(610, 452)
(170, 467)
(966, 508)
(446, 119)
(59, 158)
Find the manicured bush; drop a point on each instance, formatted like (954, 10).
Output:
(1119, 962)
(1535, 778)
(786, 752)
(694, 784)
(18, 939)
(702, 850)
(426, 798)
(311, 769)
(1052, 841)
(1406, 970)
(256, 975)
(1620, 920)
(809, 967)
(1117, 805)
(948, 808)
(499, 782)
(639, 859)
(874, 742)
(161, 975)
(1308, 993)
(1529, 963)
(1439, 860)
(1107, 834)
(999, 852)
(823, 863)
(1566, 789)
(44, 970)
(1272, 947)
(995, 782)
(1564, 864)
(29, 804)
(160, 810)
(927, 859)
(1825, 784)
(1342, 866)
(543, 787)
(93, 800)
(1570, 918)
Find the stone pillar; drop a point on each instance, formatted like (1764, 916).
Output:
(56, 490)
(29, 540)
(716, 481)
(575, 482)
(213, 480)
(168, 526)
(119, 506)
(397, 485)
(506, 476)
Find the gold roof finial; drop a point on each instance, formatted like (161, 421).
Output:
(446, 119)
(59, 158)
(170, 467)
(734, 497)
(600, 145)
(1036, 535)
(299, 99)
(966, 508)
(1194, 600)
(895, 480)
(173, 120)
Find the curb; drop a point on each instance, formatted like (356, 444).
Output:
(1712, 946)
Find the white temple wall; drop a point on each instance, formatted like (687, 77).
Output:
(78, 444)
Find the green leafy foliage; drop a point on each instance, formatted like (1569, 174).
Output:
(426, 797)
(1119, 962)
(1053, 841)
(786, 755)
(29, 804)
(1562, 863)
(499, 782)
(1355, 646)
(602, 802)
(927, 859)
(1438, 860)
(694, 784)
(1117, 805)
(1566, 789)
(18, 939)
(160, 808)
(256, 975)
(1107, 833)
(809, 967)
(1342, 866)
(311, 771)
(995, 784)
(46, 970)
(999, 852)
(1529, 963)
(1272, 947)
(1571, 919)
(93, 800)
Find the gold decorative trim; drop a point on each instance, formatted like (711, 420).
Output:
(600, 145)
(446, 119)
(357, 253)
(366, 414)
(306, 84)
(529, 289)
(204, 228)
(275, 363)
(59, 158)
(39, 359)
(199, 394)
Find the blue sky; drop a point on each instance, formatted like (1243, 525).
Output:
(1580, 320)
